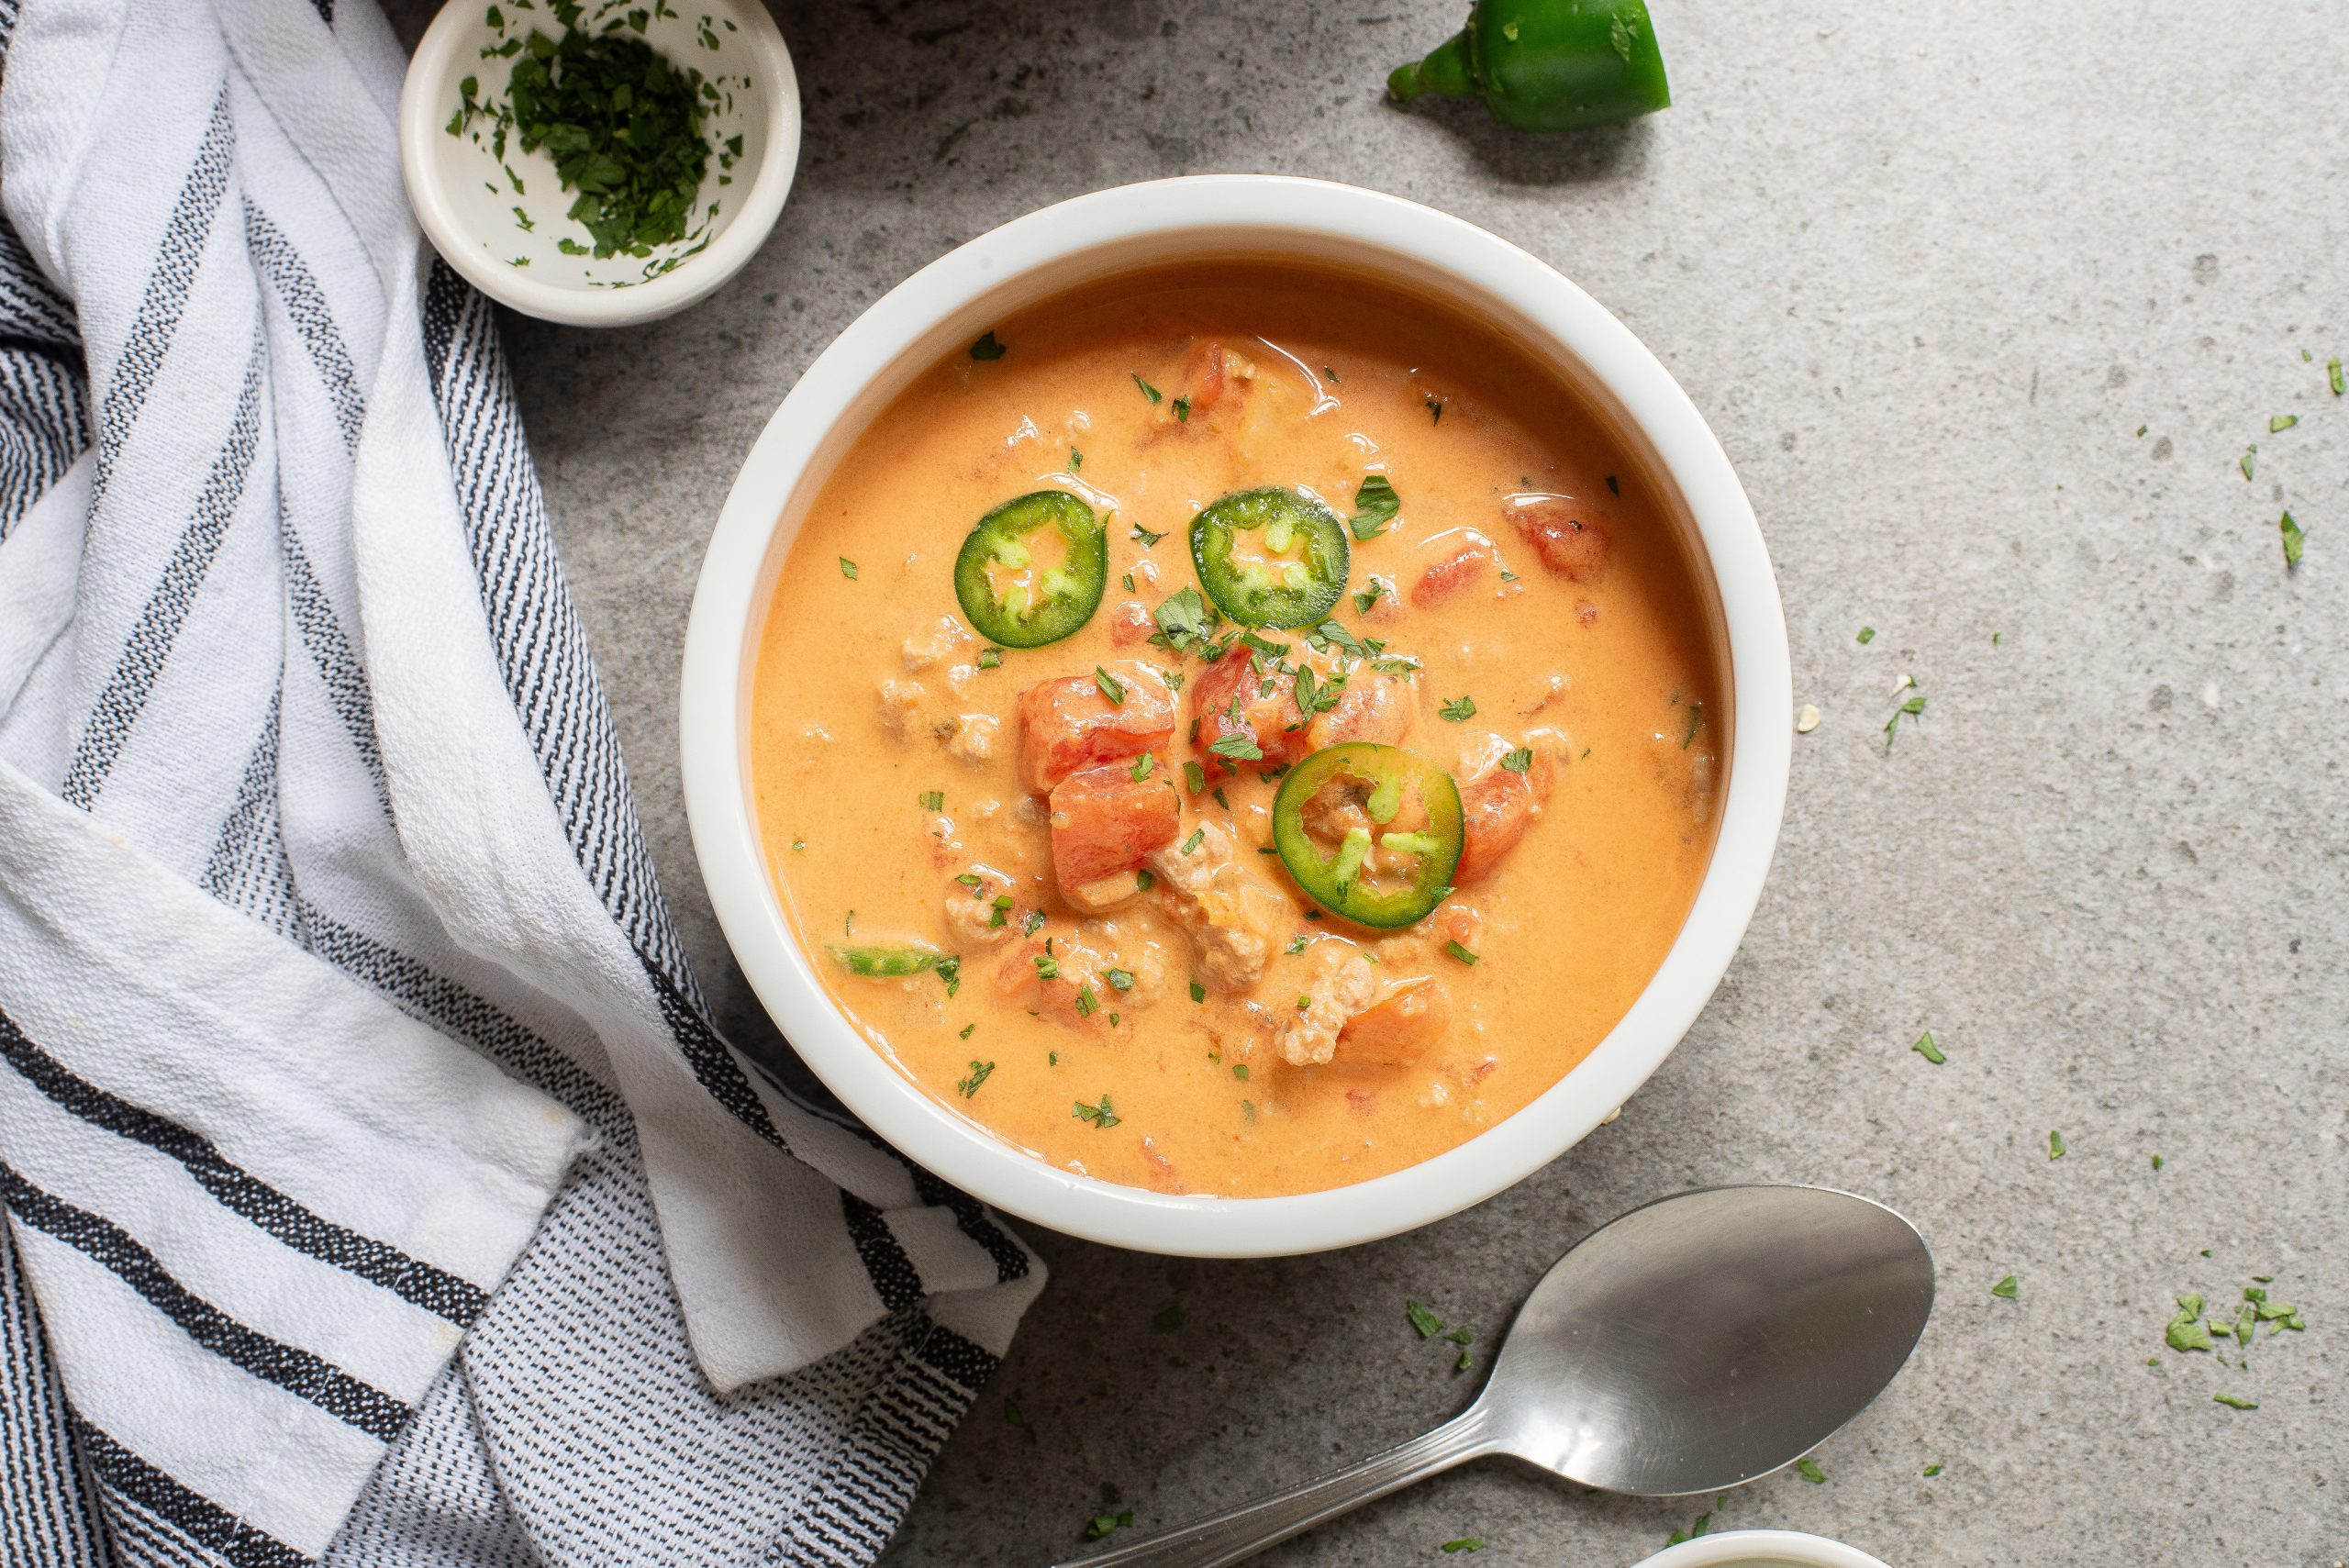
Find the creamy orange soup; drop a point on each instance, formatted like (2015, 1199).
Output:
(1118, 975)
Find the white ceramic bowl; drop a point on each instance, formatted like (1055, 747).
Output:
(466, 202)
(1761, 1548)
(944, 306)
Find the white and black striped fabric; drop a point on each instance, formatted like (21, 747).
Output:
(377, 1190)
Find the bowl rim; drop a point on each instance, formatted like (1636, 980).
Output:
(955, 291)
(1732, 1548)
(440, 57)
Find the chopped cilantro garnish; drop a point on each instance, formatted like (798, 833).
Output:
(1517, 761)
(990, 658)
(1435, 409)
(933, 800)
(1048, 966)
(1913, 708)
(1238, 747)
(1196, 776)
(1142, 764)
(969, 1085)
(848, 569)
(1927, 1050)
(1198, 992)
(1809, 1470)
(1461, 953)
(1426, 1322)
(1186, 624)
(966, 1031)
(1102, 1526)
(1220, 798)
(1240, 1070)
(1076, 459)
(2007, 1287)
(1111, 687)
(1695, 718)
(1118, 979)
(1144, 537)
(2056, 1146)
(1147, 390)
(1182, 407)
(1867, 635)
(1459, 710)
(1375, 504)
(1198, 836)
(1296, 944)
(1369, 595)
(1100, 1116)
(1087, 1004)
(969, 879)
(987, 347)
(1614, 487)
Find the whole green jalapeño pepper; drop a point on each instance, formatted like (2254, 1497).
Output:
(1547, 64)
(1371, 833)
(1061, 598)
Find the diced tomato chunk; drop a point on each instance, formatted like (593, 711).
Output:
(1373, 708)
(1210, 374)
(1104, 821)
(1573, 541)
(1473, 562)
(1071, 723)
(1397, 1031)
(1263, 717)
(1496, 808)
(1129, 625)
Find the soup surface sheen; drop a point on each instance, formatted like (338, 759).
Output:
(1214, 1031)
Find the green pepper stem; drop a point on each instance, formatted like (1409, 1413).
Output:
(1443, 72)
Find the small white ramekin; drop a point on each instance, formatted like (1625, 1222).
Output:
(943, 308)
(1759, 1549)
(465, 201)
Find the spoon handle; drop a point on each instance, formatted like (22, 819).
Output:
(1243, 1532)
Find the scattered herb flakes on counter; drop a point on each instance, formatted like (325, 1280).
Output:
(2007, 1287)
(1927, 1050)
(1913, 709)
(2187, 1332)
(1867, 636)
(1100, 1527)
(2234, 1402)
(1168, 1318)
(1932, 1471)
(1426, 1322)
(990, 348)
(1465, 1544)
(2281, 422)
(1704, 1522)
(1809, 1470)
(2294, 541)
(1696, 718)
(2334, 377)
(2244, 462)
(968, 1086)
(2056, 1146)
(2158, 1161)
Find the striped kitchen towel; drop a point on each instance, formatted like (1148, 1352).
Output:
(377, 1190)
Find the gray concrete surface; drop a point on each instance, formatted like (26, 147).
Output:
(1928, 270)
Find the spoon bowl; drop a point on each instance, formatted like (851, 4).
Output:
(1691, 1345)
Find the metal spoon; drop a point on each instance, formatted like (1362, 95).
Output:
(1692, 1345)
